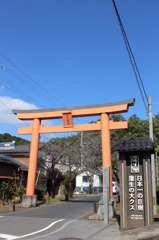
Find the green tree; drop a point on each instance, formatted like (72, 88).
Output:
(156, 128)
(6, 137)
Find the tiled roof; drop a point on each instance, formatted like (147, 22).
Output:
(130, 102)
(10, 160)
(134, 145)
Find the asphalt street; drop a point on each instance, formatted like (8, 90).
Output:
(54, 221)
(67, 221)
(67, 210)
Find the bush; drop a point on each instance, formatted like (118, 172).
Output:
(22, 191)
(4, 191)
(40, 193)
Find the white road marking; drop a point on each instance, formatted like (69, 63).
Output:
(10, 237)
(1, 216)
(6, 236)
(61, 228)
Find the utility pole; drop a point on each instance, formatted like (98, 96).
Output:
(81, 145)
(152, 157)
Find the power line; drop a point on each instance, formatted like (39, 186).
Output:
(28, 85)
(131, 57)
(30, 78)
(60, 82)
(18, 92)
(20, 79)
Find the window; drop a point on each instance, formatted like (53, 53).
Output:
(86, 179)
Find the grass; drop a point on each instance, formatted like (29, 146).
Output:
(54, 200)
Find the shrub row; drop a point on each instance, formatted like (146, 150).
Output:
(10, 192)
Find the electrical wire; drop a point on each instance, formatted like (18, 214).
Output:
(18, 92)
(60, 82)
(28, 85)
(9, 71)
(30, 78)
(131, 57)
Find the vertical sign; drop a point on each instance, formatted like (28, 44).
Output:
(135, 192)
(106, 192)
(67, 119)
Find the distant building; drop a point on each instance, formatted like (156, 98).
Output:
(20, 153)
(7, 146)
(10, 168)
(83, 180)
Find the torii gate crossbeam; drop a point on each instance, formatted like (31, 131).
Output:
(67, 114)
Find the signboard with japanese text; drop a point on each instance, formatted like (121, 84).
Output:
(136, 207)
(135, 196)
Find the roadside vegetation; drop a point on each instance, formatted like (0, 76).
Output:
(14, 191)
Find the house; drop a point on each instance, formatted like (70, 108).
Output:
(87, 177)
(20, 153)
(10, 168)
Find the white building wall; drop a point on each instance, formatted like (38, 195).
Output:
(96, 182)
(79, 180)
(80, 183)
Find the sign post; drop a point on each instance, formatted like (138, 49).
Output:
(135, 183)
(106, 193)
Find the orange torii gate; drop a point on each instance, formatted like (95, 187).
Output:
(67, 114)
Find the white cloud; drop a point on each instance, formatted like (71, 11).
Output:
(6, 114)
(9, 119)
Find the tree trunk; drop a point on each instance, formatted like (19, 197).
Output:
(70, 190)
(53, 189)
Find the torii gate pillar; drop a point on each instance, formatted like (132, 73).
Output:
(106, 148)
(33, 157)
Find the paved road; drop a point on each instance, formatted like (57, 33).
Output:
(67, 210)
(63, 221)
(54, 222)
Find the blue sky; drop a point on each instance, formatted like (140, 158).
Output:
(72, 53)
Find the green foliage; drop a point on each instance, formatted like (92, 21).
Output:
(40, 193)
(138, 128)
(22, 191)
(156, 128)
(6, 137)
(63, 189)
(12, 188)
(4, 191)
(66, 180)
(117, 118)
(157, 189)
